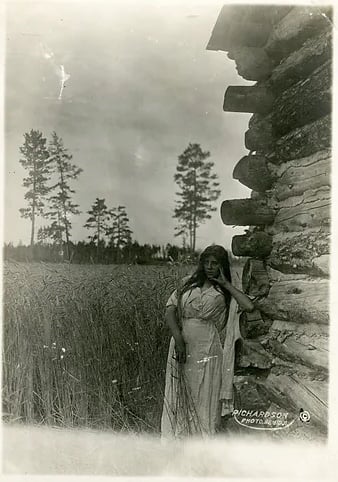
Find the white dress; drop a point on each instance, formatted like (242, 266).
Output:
(192, 390)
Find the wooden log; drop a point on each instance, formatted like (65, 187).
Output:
(278, 12)
(255, 280)
(252, 63)
(301, 63)
(244, 212)
(295, 350)
(254, 355)
(275, 275)
(298, 299)
(303, 141)
(303, 102)
(268, 14)
(256, 119)
(257, 195)
(294, 368)
(246, 393)
(295, 28)
(241, 34)
(295, 393)
(300, 329)
(219, 37)
(252, 325)
(257, 244)
(296, 252)
(239, 98)
(322, 264)
(308, 210)
(259, 136)
(239, 25)
(253, 172)
(300, 175)
(312, 341)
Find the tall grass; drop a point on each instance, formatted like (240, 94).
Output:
(86, 345)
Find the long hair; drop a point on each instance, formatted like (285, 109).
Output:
(198, 278)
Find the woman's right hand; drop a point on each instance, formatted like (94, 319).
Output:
(180, 350)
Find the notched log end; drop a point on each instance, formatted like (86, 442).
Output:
(245, 212)
(248, 99)
(257, 244)
(253, 172)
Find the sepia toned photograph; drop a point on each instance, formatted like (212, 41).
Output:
(167, 238)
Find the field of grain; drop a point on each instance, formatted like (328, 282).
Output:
(86, 345)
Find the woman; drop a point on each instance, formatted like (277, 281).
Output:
(194, 366)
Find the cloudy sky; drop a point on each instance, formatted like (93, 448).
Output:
(142, 86)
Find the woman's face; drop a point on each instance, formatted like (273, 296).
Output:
(211, 267)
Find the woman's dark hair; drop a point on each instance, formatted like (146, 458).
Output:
(198, 278)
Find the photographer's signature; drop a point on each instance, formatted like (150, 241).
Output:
(268, 420)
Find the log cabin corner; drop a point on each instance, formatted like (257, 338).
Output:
(287, 51)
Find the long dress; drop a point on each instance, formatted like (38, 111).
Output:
(192, 390)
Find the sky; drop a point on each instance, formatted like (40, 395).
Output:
(141, 87)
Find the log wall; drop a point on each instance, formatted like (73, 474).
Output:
(288, 52)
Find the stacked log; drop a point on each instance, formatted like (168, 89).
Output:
(288, 52)
(253, 171)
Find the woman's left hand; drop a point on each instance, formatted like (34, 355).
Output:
(222, 280)
(242, 299)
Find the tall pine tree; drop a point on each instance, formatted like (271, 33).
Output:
(98, 221)
(119, 231)
(62, 207)
(198, 191)
(36, 161)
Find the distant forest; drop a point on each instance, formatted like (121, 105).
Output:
(90, 253)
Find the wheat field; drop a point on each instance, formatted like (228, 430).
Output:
(86, 345)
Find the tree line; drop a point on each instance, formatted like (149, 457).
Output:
(84, 252)
(50, 196)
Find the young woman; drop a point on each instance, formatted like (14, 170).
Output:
(194, 366)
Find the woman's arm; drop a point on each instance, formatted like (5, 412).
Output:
(242, 299)
(171, 319)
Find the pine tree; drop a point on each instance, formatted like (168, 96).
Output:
(42, 236)
(36, 161)
(62, 207)
(119, 231)
(198, 190)
(98, 221)
(52, 233)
